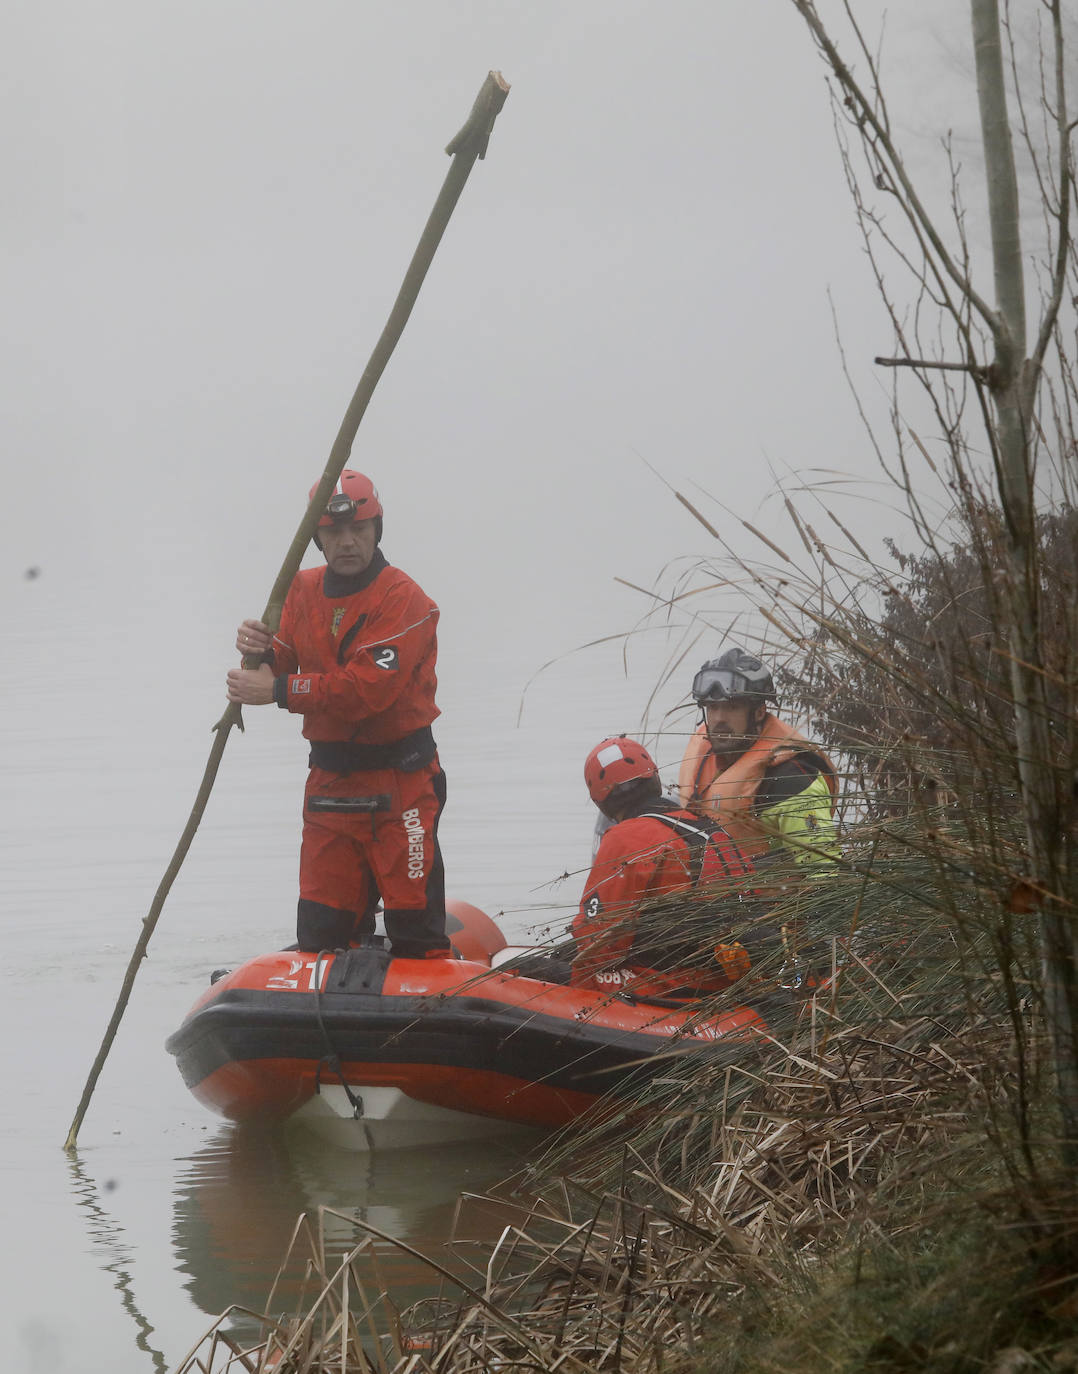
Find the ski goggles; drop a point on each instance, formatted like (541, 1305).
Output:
(720, 684)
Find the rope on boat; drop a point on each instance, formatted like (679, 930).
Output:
(331, 1057)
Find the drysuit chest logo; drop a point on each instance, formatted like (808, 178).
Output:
(414, 828)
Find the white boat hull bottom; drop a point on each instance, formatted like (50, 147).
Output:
(391, 1120)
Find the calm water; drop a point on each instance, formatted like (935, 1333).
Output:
(117, 1260)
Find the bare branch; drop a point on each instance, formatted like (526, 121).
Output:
(974, 369)
(865, 114)
(1063, 241)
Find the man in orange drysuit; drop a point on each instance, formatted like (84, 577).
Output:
(652, 849)
(355, 657)
(773, 789)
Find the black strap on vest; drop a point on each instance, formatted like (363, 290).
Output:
(695, 836)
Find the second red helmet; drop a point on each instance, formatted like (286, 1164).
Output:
(614, 761)
(354, 498)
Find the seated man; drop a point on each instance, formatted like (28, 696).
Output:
(654, 850)
(773, 789)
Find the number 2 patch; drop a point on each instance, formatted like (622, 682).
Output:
(385, 656)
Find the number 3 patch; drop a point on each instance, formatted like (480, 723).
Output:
(386, 657)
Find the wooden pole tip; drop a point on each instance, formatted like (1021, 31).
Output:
(473, 137)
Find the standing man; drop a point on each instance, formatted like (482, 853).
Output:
(355, 657)
(654, 849)
(764, 781)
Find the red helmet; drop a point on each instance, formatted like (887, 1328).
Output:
(354, 498)
(614, 761)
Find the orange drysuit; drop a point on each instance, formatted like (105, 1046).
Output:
(355, 656)
(659, 851)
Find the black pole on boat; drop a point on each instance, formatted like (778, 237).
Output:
(465, 148)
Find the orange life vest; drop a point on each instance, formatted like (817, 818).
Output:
(729, 796)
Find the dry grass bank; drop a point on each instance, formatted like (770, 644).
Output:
(873, 1189)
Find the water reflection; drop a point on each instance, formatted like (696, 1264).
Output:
(116, 1258)
(237, 1200)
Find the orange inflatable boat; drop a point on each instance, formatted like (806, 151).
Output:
(376, 1051)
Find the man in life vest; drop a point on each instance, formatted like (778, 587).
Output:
(355, 657)
(767, 784)
(652, 850)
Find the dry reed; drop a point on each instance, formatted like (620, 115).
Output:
(863, 1121)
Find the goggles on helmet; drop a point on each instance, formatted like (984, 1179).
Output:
(720, 684)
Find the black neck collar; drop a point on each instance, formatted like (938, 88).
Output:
(646, 804)
(336, 585)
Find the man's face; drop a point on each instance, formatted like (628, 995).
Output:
(349, 548)
(732, 725)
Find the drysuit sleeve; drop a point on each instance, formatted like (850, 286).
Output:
(285, 659)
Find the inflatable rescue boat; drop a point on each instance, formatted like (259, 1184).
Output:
(374, 1051)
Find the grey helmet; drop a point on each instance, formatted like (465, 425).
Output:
(733, 674)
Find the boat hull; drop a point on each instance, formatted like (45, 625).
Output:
(431, 1049)
(391, 1120)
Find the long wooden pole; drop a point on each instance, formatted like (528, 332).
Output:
(468, 145)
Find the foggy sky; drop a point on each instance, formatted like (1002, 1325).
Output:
(208, 209)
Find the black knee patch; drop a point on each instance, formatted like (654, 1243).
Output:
(415, 934)
(327, 927)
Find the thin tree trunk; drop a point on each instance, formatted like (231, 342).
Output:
(1013, 383)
